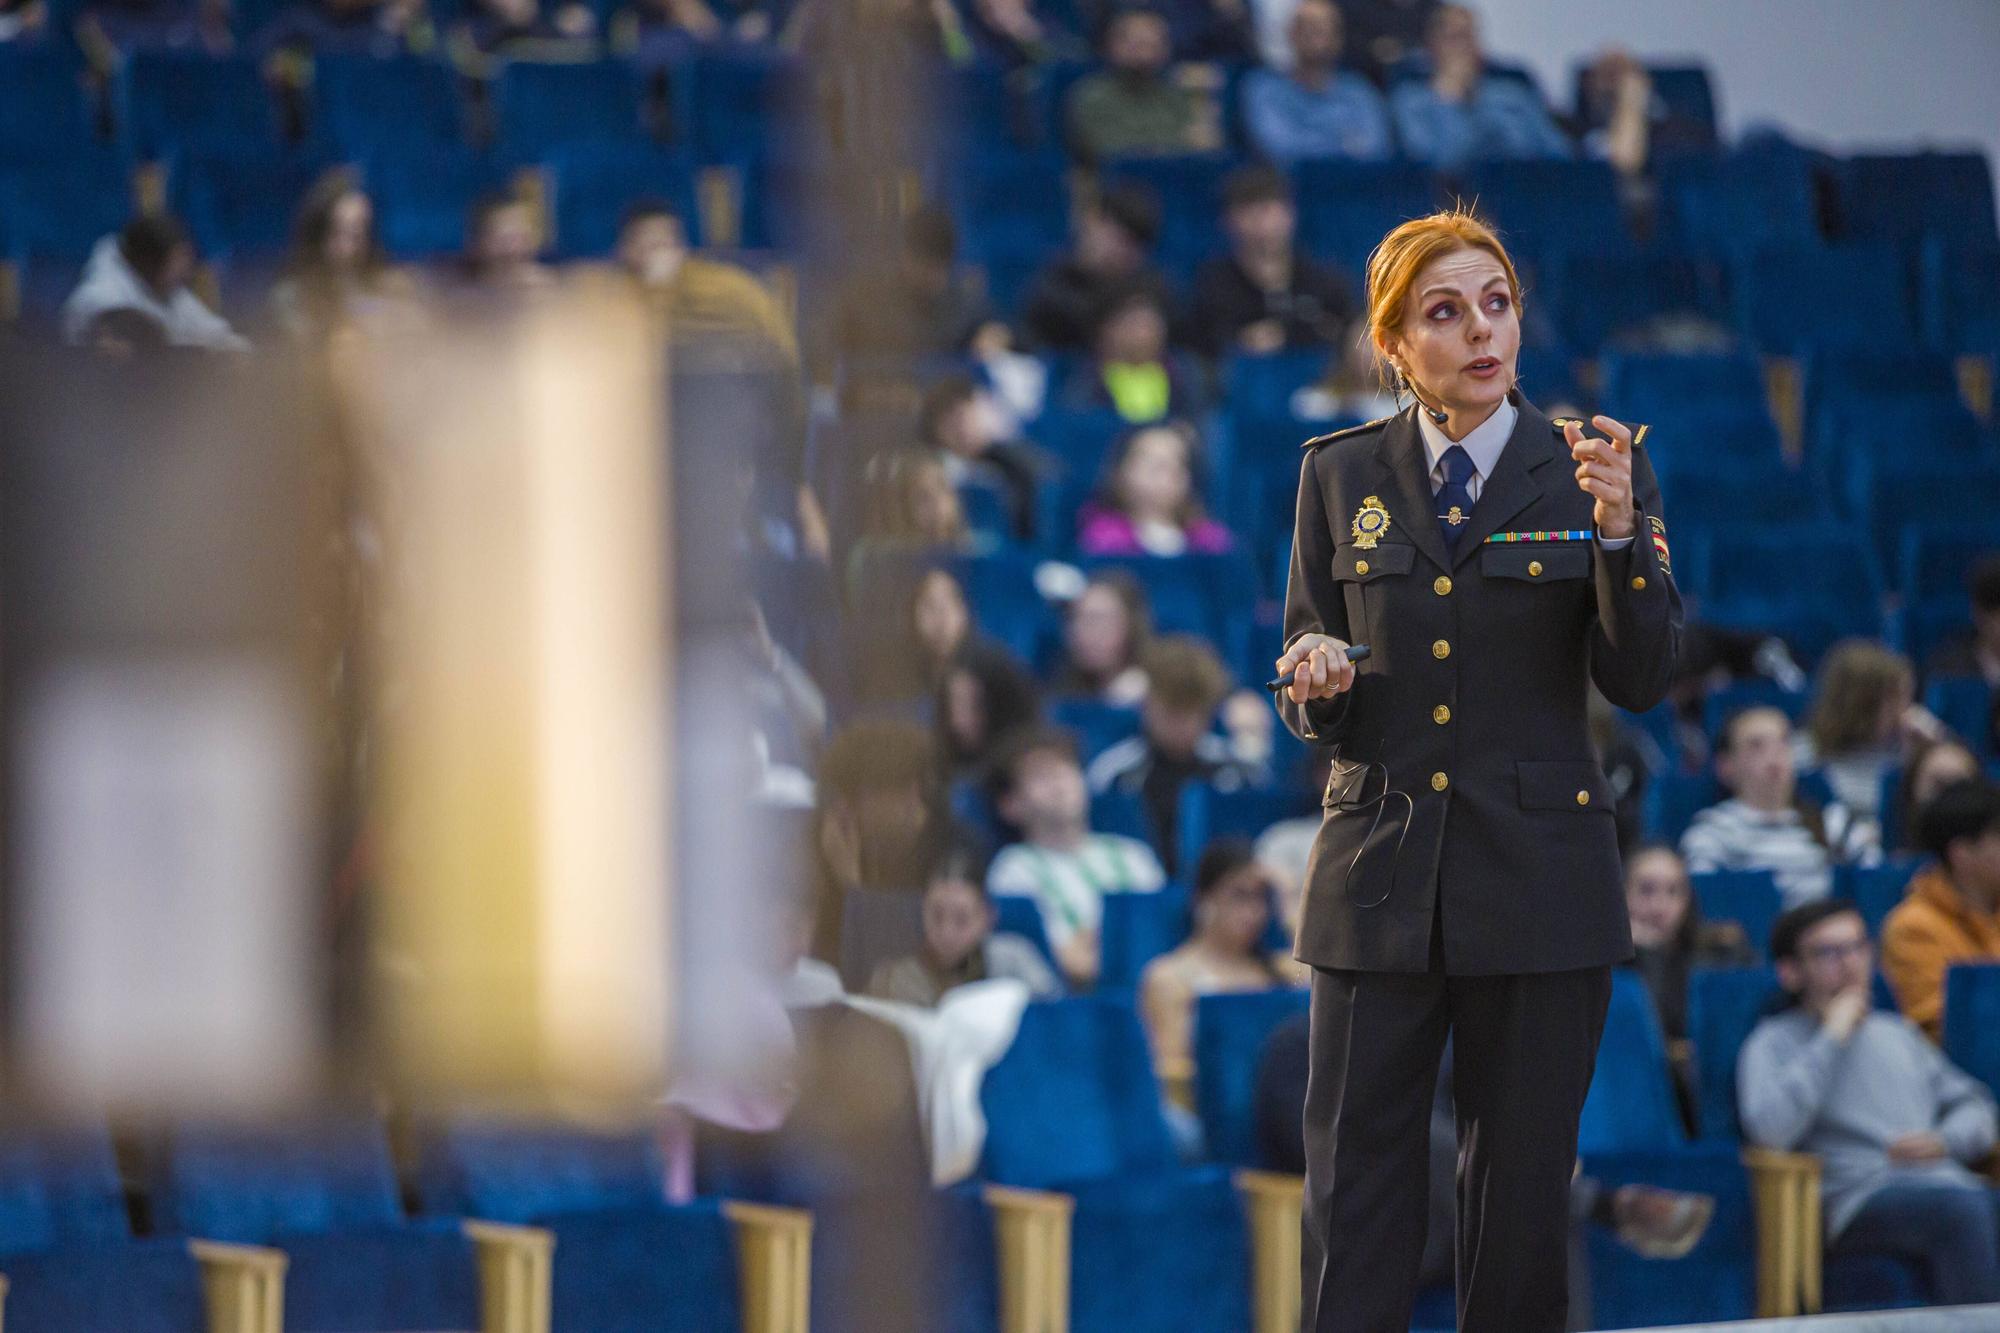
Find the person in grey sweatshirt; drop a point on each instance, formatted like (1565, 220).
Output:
(1892, 1121)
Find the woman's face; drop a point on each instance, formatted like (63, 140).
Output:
(348, 229)
(1896, 701)
(1941, 766)
(939, 615)
(1461, 334)
(1134, 336)
(1100, 632)
(1153, 480)
(957, 918)
(1238, 910)
(1656, 895)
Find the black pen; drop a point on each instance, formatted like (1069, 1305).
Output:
(1355, 653)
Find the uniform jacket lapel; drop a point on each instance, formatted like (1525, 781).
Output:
(1407, 487)
(1516, 483)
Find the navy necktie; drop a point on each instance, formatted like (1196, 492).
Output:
(1454, 499)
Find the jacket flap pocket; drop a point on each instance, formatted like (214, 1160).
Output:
(1563, 784)
(1536, 562)
(1347, 783)
(1354, 565)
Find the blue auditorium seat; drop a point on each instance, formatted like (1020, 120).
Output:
(1230, 1032)
(1724, 1005)
(424, 193)
(1017, 914)
(1190, 193)
(1655, 386)
(45, 113)
(1630, 1133)
(1750, 898)
(1212, 596)
(1097, 725)
(1906, 197)
(1207, 814)
(1346, 207)
(1083, 442)
(1600, 296)
(736, 101)
(363, 105)
(1972, 1020)
(1123, 813)
(66, 1248)
(1137, 928)
(243, 201)
(1686, 102)
(1749, 197)
(1876, 890)
(1001, 585)
(1864, 301)
(60, 208)
(1901, 494)
(327, 1196)
(1965, 704)
(1545, 209)
(1740, 484)
(172, 99)
(540, 105)
(1810, 583)
(1012, 207)
(1074, 1106)
(1960, 296)
(593, 185)
(625, 1258)
(1673, 799)
(1727, 700)
(1930, 574)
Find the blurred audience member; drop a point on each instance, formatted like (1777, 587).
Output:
(1177, 743)
(984, 697)
(911, 506)
(1381, 36)
(1620, 119)
(1059, 863)
(1933, 766)
(147, 267)
(1952, 913)
(1978, 655)
(940, 620)
(1106, 632)
(960, 946)
(1894, 1124)
(1265, 295)
(111, 30)
(125, 335)
(1864, 716)
(1311, 108)
(701, 298)
(503, 246)
(1150, 505)
(927, 305)
(23, 22)
(1115, 233)
(500, 30)
(787, 714)
(1137, 107)
(336, 271)
(658, 33)
(1224, 954)
(1462, 112)
(1132, 371)
(1670, 940)
(967, 428)
(880, 816)
(1765, 824)
(379, 29)
(1012, 33)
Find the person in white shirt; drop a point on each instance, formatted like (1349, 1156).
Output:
(1059, 862)
(1764, 825)
(146, 268)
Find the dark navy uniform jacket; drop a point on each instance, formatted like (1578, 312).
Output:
(1471, 711)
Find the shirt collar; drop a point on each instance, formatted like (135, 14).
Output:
(1485, 442)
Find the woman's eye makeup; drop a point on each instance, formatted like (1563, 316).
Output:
(1444, 311)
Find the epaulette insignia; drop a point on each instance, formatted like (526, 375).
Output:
(1328, 438)
(1560, 422)
(1638, 432)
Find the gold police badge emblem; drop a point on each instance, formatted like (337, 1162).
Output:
(1370, 522)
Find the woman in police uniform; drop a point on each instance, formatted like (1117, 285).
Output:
(1466, 879)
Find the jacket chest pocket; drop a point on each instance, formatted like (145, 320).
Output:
(1536, 563)
(1352, 564)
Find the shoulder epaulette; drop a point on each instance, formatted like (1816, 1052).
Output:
(1638, 429)
(1328, 438)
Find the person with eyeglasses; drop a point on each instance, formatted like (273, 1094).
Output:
(1894, 1124)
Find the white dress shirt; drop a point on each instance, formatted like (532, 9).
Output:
(1485, 443)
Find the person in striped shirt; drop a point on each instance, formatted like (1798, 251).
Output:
(1059, 863)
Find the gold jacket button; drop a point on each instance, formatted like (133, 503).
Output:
(1534, 569)
(1439, 782)
(1440, 715)
(1639, 583)
(1361, 566)
(1583, 798)
(1440, 650)
(1442, 587)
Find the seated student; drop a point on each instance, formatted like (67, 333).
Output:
(1976, 655)
(966, 428)
(110, 30)
(923, 303)
(147, 267)
(382, 29)
(880, 815)
(24, 23)
(911, 506)
(1135, 107)
(1933, 766)
(1265, 295)
(499, 30)
(1059, 862)
(1952, 913)
(337, 272)
(1115, 232)
(1176, 743)
(1316, 109)
(701, 298)
(960, 946)
(1894, 1123)
(656, 33)
(503, 248)
(1765, 825)
(1864, 718)
(1106, 631)
(1670, 940)
(1149, 505)
(1461, 112)
(1620, 120)
(984, 697)
(1132, 371)
(1224, 954)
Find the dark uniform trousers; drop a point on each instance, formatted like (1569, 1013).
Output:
(1465, 881)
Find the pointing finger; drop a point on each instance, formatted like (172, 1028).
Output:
(1621, 436)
